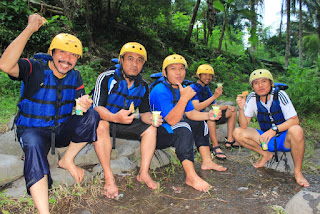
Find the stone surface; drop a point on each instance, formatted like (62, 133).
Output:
(87, 156)
(9, 146)
(62, 176)
(285, 163)
(18, 189)
(11, 168)
(304, 202)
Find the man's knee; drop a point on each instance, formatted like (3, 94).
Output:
(151, 131)
(295, 132)
(238, 133)
(103, 127)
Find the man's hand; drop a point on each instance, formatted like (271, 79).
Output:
(158, 122)
(211, 115)
(35, 21)
(218, 92)
(266, 137)
(85, 102)
(241, 101)
(123, 116)
(186, 93)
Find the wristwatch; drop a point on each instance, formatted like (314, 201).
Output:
(275, 128)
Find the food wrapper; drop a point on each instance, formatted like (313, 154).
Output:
(131, 108)
(245, 94)
(44, 21)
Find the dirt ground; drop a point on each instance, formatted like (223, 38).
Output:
(241, 189)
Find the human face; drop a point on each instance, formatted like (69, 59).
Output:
(176, 73)
(205, 78)
(132, 63)
(261, 86)
(63, 62)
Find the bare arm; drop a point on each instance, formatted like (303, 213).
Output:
(121, 116)
(243, 120)
(282, 127)
(10, 57)
(202, 105)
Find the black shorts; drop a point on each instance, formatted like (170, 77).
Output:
(131, 131)
(223, 118)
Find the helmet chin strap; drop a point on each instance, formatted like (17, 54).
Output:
(130, 77)
(170, 83)
(266, 95)
(202, 82)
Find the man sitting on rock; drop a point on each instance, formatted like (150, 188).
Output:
(184, 126)
(118, 92)
(278, 121)
(50, 86)
(205, 98)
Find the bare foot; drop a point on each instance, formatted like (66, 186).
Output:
(212, 165)
(263, 160)
(198, 183)
(75, 171)
(110, 190)
(301, 180)
(147, 180)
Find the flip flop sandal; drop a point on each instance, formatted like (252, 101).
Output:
(215, 153)
(231, 144)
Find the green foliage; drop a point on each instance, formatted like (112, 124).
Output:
(311, 47)
(304, 89)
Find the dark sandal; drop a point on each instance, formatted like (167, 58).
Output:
(231, 144)
(215, 153)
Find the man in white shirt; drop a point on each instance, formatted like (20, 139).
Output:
(278, 121)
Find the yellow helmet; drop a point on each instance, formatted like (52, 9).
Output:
(66, 42)
(205, 69)
(133, 47)
(261, 73)
(172, 59)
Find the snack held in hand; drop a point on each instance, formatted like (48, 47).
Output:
(44, 21)
(245, 94)
(131, 108)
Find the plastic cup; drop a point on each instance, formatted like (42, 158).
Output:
(216, 110)
(78, 108)
(219, 84)
(155, 116)
(264, 146)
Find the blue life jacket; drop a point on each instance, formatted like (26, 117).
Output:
(118, 92)
(275, 116)
(202, 91)
(52, 103)
(161, 79)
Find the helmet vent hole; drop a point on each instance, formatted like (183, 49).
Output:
(133, 46)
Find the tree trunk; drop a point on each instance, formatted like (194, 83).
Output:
(222, 33)
(280, 27)
(287, 54)
(191, 24)
(300, 33)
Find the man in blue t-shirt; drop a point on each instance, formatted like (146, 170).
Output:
(203, 99)
(183, 125)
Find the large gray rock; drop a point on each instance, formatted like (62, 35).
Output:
(123, 164)
(285, 163)
(9, 146)
(159, 159)
(304, 202)
(62, 176)
(11, 168)
(18, 189)
(87, 156)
